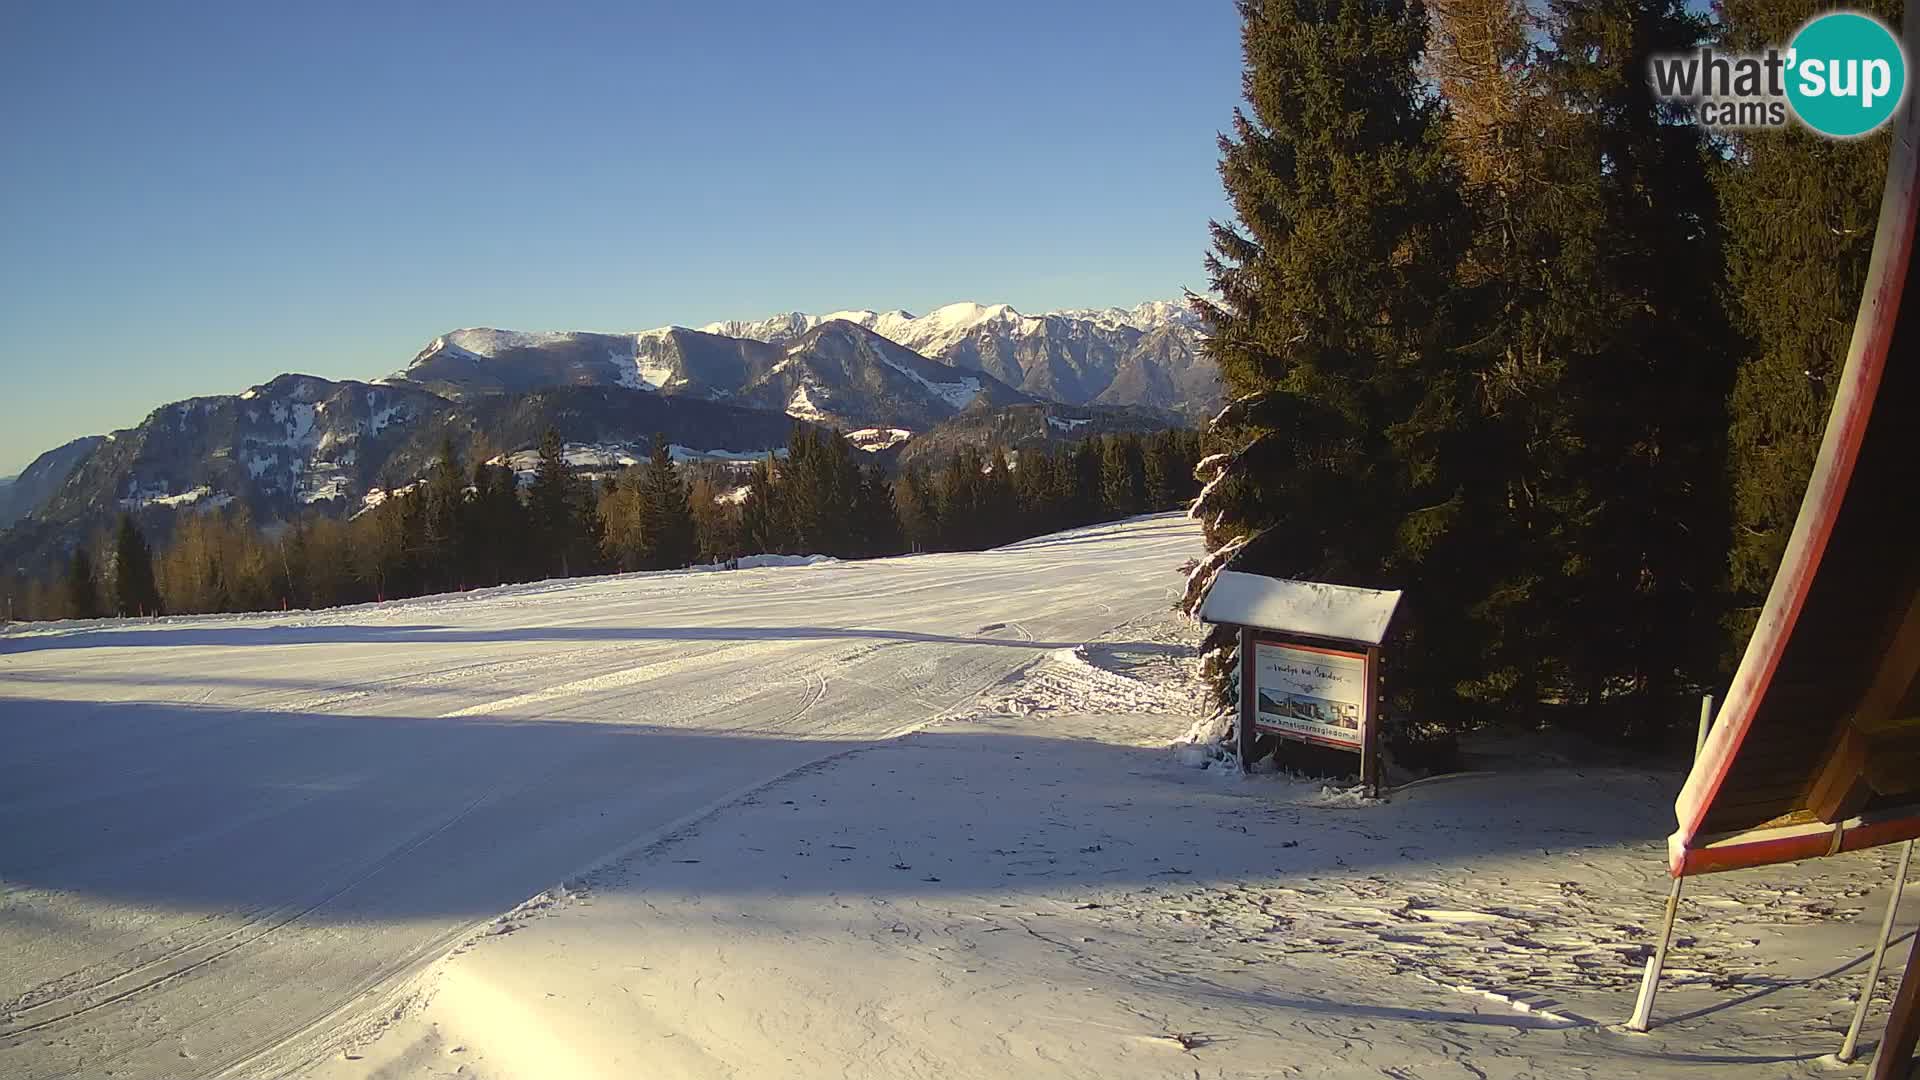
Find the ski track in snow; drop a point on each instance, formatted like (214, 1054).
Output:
(225, 840)
(1035, 887)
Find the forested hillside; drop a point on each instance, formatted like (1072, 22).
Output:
(467, 525)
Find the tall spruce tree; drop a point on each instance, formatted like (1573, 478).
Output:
(1799, 212)
(666, 515)
(964, 501)
(816, 491)
(445, 521)
(1525, 293)
(622, 525)
(1341, 455)
(999, 500)
(876, 521)
(1165, 470)
(716, 516)
(1085, 504)
(1123, 476)
(917, 501)
(1645, 517)
(763, 516)
(557, 511)
(134, 590)
(83, 586)
(1039, 491)
(499, 531)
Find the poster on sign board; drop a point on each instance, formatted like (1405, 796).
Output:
(1310, 693)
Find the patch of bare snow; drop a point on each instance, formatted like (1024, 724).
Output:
(874, 440)
(956, 394)
(801, 406)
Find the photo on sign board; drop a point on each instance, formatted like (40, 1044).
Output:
(1306, 692)
(1344, 714)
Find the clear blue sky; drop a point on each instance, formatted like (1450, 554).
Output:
(196, 197)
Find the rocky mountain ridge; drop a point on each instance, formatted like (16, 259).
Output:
(297, 442)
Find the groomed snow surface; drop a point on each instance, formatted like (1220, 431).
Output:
(653, 825)
(220, 834)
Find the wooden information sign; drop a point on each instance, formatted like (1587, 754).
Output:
(1309, 661)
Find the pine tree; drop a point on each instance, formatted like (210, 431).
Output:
(876, 522)
(1163, 467)
(1527, 287)
(133, 583)
(807, 495)
(1645, 518)
(444, 520)
(83, 587)
(1040, 492)
(1800, 214)
(716, 521)
(376, 547)
(764, 521)
(622, 524)
(1085, 505)
(964, 501)
(999, 502)
(558, 513)
(1123, 476)
(917, 501)
(666, 516)
(499, 526)
(1342, 451)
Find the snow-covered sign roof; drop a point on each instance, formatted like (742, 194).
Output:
(1314, 608)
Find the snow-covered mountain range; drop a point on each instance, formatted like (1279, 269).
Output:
(835, 373)
(1145, 355)
(946, 326)
(298, 442)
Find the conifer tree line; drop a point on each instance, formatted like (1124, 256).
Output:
(461, 528)
(1501, 329)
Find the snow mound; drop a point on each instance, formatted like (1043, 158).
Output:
(758, 562)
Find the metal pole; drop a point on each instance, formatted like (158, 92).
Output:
(1650, 980)
(1893, 1058)
(1852, 1043)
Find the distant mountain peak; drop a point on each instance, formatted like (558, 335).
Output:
(1147, 355)
(949, 322)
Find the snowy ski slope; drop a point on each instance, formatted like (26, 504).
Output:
(221, 834)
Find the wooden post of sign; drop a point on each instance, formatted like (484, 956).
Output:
(1370, 725)
(1248, 702)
